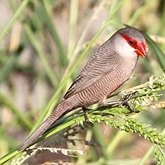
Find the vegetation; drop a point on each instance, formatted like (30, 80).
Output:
(43, 47)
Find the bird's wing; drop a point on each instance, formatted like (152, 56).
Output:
(101, 62)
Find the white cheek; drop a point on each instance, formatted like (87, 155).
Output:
(124, 49)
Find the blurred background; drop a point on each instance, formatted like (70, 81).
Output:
(44, 41)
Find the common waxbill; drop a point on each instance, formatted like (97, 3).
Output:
(107, 69)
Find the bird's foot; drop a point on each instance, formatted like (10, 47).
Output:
(86, 123)
(125, 101)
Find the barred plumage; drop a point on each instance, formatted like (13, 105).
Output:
(107, 69)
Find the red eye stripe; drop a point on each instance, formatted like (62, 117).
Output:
(130, 41)
(140, 47)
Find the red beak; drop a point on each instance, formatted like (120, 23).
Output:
(141, 49)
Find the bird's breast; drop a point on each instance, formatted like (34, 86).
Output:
(107, 84)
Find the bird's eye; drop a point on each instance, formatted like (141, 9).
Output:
(131, 42)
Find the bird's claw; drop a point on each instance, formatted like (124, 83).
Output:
(129, 95)
(125, 100)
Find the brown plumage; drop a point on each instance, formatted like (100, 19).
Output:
(107, 69)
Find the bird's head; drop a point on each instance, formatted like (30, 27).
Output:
(135, 40)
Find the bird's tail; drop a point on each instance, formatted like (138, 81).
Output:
(62, 108)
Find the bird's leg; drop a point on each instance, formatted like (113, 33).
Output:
(86, 122)
(85, 109)
(110, 104)
(124, 101)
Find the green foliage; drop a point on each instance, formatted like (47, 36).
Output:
(55, 59)
(159, 155)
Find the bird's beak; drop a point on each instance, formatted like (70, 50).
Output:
(141, 49)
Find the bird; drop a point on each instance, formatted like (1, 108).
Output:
(106, 70)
